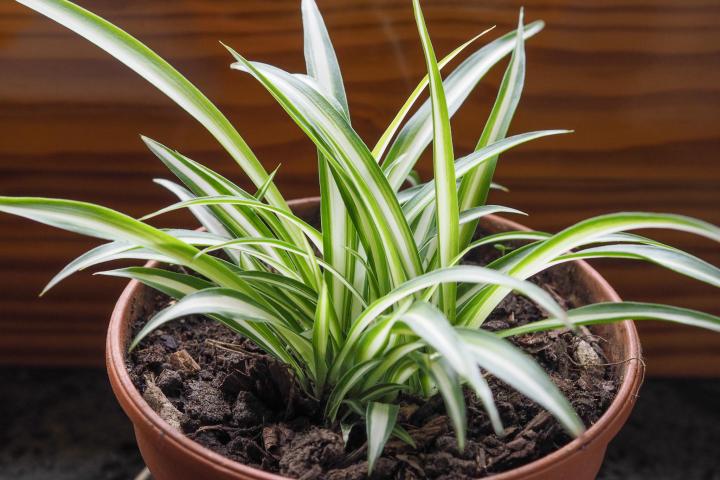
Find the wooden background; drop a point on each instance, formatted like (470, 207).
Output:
(638, 81)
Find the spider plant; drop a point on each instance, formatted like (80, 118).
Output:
(376, 301)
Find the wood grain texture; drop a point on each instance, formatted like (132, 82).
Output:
(637, 80)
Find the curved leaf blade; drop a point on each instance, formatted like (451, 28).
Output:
(585, 232)
(521, 372)
(446, 201)
(380, 421)
(608, 312)
(475, 186)
(100, 222)
(162, 75)
(417, 132)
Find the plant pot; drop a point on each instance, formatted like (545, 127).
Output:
(171, 456)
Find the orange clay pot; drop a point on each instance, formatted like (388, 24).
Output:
(171, 456)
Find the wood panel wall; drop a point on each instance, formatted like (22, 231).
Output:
(637, 80)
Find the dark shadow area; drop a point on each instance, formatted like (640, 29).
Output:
(63, 424)
(672, 434)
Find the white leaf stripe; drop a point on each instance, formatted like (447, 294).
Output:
(239, 219)
(337, 229)
(475, 186)
(279, 244)
(331, 131)
(417, 132)
(385, 138)
(221, 301)
(429, 324)
(667, 257)
(176, 285)
(88, 259)
(520, 371)
(204, 215)
(163, 76)
(234, 305)
(508, 260)
(446, 202)
(101, 222)
(462, 273)
(426, 193)
(465, 217)
(619, 311)
(312, 234)
(320, 57)
(380, 421)
(390, 360)
(351, 379)
(584, 232)
(449, 387)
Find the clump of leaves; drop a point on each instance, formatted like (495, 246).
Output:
(376, 301)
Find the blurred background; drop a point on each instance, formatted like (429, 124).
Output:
(637, 80)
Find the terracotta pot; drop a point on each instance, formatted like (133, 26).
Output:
(171, 456)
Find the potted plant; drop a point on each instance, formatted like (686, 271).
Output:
(374, 330)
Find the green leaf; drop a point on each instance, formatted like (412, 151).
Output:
(461, 273)
(670, 258)
(88, 259)
(280, 245)
(240, 220)
(162, 75)
(390, 360)
(510, 259)
(450, 389)
(425, 194)
(471, 215)
(446, 202)
(433, 328)
(389, 132)
(510, 236)
(220, 301)
(365, 187)
(325, 327)
(380, 420)
(262, 191)
(101, 222)
(417, 132)
(287, 296)
(312, 234)
(320, 57)
(244, 312)
(376, 338)
(380, 391)
(352, 378)
(520, 371)
(346, 429)
(478, 212)
(337, 229)
(173, 284)
(587, 231)
(204, 215)
(403, 435)
(600, 313)
(475, 186)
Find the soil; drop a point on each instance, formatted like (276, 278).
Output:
(228, 395)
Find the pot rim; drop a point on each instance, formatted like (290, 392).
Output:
(632, 375)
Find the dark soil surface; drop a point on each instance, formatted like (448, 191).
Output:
(226, 394)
